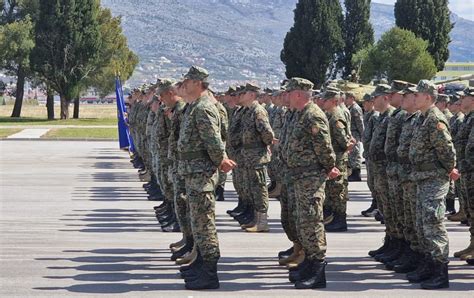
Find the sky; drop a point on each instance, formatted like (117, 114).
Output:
(463, 8)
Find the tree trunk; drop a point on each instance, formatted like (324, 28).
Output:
(76, 108)
(64, 107)
(20, 91)
(50, 103)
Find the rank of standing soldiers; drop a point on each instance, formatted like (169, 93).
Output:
(308, 143)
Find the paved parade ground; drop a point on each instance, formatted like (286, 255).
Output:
(74, 220)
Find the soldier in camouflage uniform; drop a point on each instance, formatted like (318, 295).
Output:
(464, 148)
(257, 136)
(201, 152)
(310, 165)
(433, 158)
(357, 130)
(278, 119)
(378, 162)
(370, 118)
(442, 102)
(336, 200)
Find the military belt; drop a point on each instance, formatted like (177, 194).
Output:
(193, 155)
(300, 170)
(432, 166)
(254, 145)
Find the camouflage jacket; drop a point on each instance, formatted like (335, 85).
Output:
(224, 121)
(447, 113)
(369, 125)
(468, 163)
(347, 115)
(340, 133)
(234, 139)
(403, 149)
(462, 139)
(257, 135)
(164, 130)
(394, 128)
(150, 119)
(431, 149)
(357, 121)
(455, 123)
(310, 143)
(288, 124)
(177, 116)
(200, 146)
(377, 143)
(277, 121)
(153, 145)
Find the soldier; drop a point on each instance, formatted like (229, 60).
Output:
(310, 165)
(277, 124)
(370, 118)
(378, 162)
(395, 200)
(357, 130)
(464, 149)
(433, 158)
(201, 153)
(336, 200)
(257, 136)
(442, 102)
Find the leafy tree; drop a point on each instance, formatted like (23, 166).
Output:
(315, 40)
(398, 55)
(429, 20)
(358, 31)
(67, 37)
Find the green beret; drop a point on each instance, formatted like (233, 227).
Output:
(299, 84)
(197, 73)
(426, 86)
(381, 89)
(165, 85)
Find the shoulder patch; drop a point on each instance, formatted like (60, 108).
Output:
(339, 124)
(441, 126)
(315, 130)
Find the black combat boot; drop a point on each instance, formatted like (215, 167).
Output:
(409, 264)
(188, 247)
(245, 210)
(285, 253)
(241, 207)
(404, 248)
(394, 254)
(190, 268)
(219, 193)
(237, 208)
(173, 227)
(271, 186)
(207, 277)
(440, 277)
(338, 224)
(423, 272)
(301, 272)
(371, 211)
(381, 249)
(317, 279)
(450, 209)
(355, 176)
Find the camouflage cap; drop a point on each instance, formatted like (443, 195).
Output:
(212, 90)
(453, 98)
(330, 93)
(350, 94)
(299, 84)
(425, 86)
(381, 89)
(268, 91)
(165, 85)
(197, 73)
(367, 97)
(250, 87)
(443, 98)
(469, 91)
(316, 92)
(398, 86)
(231, 90)
(408, 90)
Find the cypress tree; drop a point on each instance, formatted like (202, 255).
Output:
(358, 31)
(430, 20)
(315, 40)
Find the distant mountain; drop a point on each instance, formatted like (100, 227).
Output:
(235, 39)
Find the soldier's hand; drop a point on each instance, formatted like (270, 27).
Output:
(334, 173)
(454, 175)
(276, 141)
(352, 143)
(227, 165)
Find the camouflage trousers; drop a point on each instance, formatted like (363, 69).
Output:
(355, 156)
(463, 196)
(222, 177)
(396, 198)
(309, 194)
(200, 193)
(382, 190)
(467, 184)
(240, 186)
(370, 178)
(273, 167)
(409, 206)
(336, 190)
(288, 210)
(166, 184)
(181, 202)
(430, 212)
(255, 180)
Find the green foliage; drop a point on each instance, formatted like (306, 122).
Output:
(358, 31)
(16, 43)
(68, 41)
(315, 40)
(398, 55)
(114, 56)
(429, 20)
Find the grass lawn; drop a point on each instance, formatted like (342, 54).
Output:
(36, 115)
(5, 132)
(82, 133)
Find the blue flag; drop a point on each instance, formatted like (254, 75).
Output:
(125, 139)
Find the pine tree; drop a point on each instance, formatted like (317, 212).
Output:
(430, 20)
(67, 37)
(358, 31)
(314, 42)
